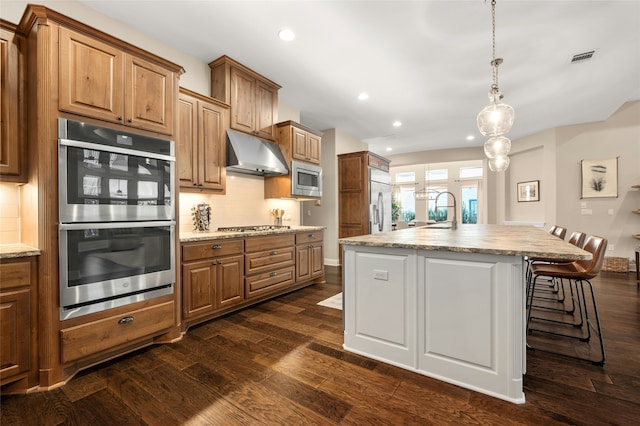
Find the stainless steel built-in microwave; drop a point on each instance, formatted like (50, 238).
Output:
(110, 175)
(306, 179)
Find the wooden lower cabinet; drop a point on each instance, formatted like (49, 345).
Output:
(18, 348)
(105, 334)
(270, 264)
(212, 277)
(220, 276)
(309, 255)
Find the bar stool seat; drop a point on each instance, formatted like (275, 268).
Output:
(555, 288)
(578, 274)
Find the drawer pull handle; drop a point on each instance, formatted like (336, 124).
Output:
(125, 320)
(311, 235)
(216, 246)
(273, 274)
(215, 262)
(273, 253)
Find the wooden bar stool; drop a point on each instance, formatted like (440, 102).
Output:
(578, 274)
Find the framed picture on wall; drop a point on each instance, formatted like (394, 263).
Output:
(599, 178)
(529, 191)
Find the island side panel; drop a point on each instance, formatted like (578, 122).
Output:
(380, 294)
(470, 321)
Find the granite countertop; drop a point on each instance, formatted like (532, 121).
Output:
(492, 239)
(186, 237)
(10, 251)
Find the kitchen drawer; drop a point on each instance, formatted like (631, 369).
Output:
(257, 285)
(97, 336)
(268, 242)
(309, 237)
(263, 261)
(16, 274)
(213, 248)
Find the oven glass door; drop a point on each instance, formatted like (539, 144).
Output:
(98, 185)
(103, 261)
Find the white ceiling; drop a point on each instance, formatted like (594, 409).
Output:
(425, 63)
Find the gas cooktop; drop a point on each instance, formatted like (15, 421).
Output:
(252, 228)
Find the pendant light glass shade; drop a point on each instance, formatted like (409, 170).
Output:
(499, 164)
(496, 118)
(497, 146)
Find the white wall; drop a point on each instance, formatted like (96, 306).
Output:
(525, 166)
(619, 136)
(554, 156)
(334, 143)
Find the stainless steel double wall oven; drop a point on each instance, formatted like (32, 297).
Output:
(117, 217)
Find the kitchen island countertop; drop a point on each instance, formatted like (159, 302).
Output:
(490, 239)
(186, 237)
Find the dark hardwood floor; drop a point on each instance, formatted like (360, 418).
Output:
(282, 363)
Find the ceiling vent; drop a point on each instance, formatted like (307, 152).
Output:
(581, 57)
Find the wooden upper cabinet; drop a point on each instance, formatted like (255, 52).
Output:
(243, 95)
(266, 110)
(12, 129)
(303, 142)
(252, 97)
(99, 80)
(202, 123)
(148, 96)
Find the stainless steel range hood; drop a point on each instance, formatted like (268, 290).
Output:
(248, 154)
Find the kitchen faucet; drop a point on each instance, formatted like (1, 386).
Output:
(454, 224)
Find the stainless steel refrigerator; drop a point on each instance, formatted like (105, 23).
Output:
(379, 201)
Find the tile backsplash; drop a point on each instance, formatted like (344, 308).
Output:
(243, 204)
(9, 213)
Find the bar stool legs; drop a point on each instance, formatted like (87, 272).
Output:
(581, 320)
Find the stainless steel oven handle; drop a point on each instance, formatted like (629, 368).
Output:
(112, 225)
(115, 149)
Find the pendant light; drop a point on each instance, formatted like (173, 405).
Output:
(496, 118)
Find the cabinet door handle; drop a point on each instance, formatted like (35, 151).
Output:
(215, 262)
(130, 120)
(125, 320)
(119, 118)
(311, 235)
(216, 246)
(273, 253)
(273, 274)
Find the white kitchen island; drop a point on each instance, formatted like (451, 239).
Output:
(449, 304)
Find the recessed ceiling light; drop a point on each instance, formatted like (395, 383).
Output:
(363, 96)
(470, 137)
(286, 35)
(397, 123)
(389, 149)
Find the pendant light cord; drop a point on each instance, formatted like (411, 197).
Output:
(495, 61)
